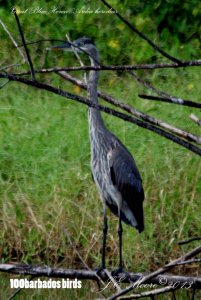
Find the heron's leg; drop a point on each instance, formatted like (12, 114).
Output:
(105, 228)
(120, 232)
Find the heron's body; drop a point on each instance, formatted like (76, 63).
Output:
(113, 167)
(116, 176)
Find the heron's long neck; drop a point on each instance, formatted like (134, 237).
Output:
(95, 119)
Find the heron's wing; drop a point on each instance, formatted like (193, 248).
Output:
(126, 178)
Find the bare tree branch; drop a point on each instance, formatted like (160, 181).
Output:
(112, 279)
(24, 43)
(148, 293)
(161, 270)
(42, 40)
(165, 54)
(172, 100)
(187, 262)
(12, 39)
(78, 58)
(147, 84)
(9, 66)
(107, 110)
(192, 63)
(12, 296)
(4, 84)
(133, 111)
(195, 119)
(196, 238)
(65, 232)
(136, 278)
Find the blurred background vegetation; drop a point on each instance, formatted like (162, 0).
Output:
(47, 197)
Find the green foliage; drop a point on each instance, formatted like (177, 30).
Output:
(173, 25)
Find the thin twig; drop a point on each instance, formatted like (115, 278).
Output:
(111, 278)
(187, 262)
(147, 84)
(161, 270)
(133, 28)
(24, 43)
(193, 63)
(78, 254)
(148, 293)
(187, 135)
(196, 238)
(42, 40)
(172, 100)
(65, 232)
(78, 57)
(12, 296)
(107, 110)
(12, 39)
(5, 83)
(195, 119)
(10, 66)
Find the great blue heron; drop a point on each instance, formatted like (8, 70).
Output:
(114, 170)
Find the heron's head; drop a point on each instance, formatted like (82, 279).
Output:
(81, 45)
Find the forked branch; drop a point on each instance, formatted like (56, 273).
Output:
(161, 270)
(107, 110)
(136, 278)
(186, 135)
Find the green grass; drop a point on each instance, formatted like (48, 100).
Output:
(47, 194)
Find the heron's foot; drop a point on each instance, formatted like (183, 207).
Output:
(118, 271)
(99, 269)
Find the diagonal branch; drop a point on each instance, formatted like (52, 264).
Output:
(107, 110)
(144, 37)
(151, 293)
(133, 111)
(78, 58)
(161, 270)
(147, 84)
(172, 100)
(12, 39)
(24, 43)
(9, 66)
(4, 84)
(195, 119)
(17, 291)
(195, 238)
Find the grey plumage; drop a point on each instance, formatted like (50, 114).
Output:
(114, 170)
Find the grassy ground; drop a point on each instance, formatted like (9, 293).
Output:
(47, 194)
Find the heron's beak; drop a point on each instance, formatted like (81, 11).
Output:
(65, 47)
